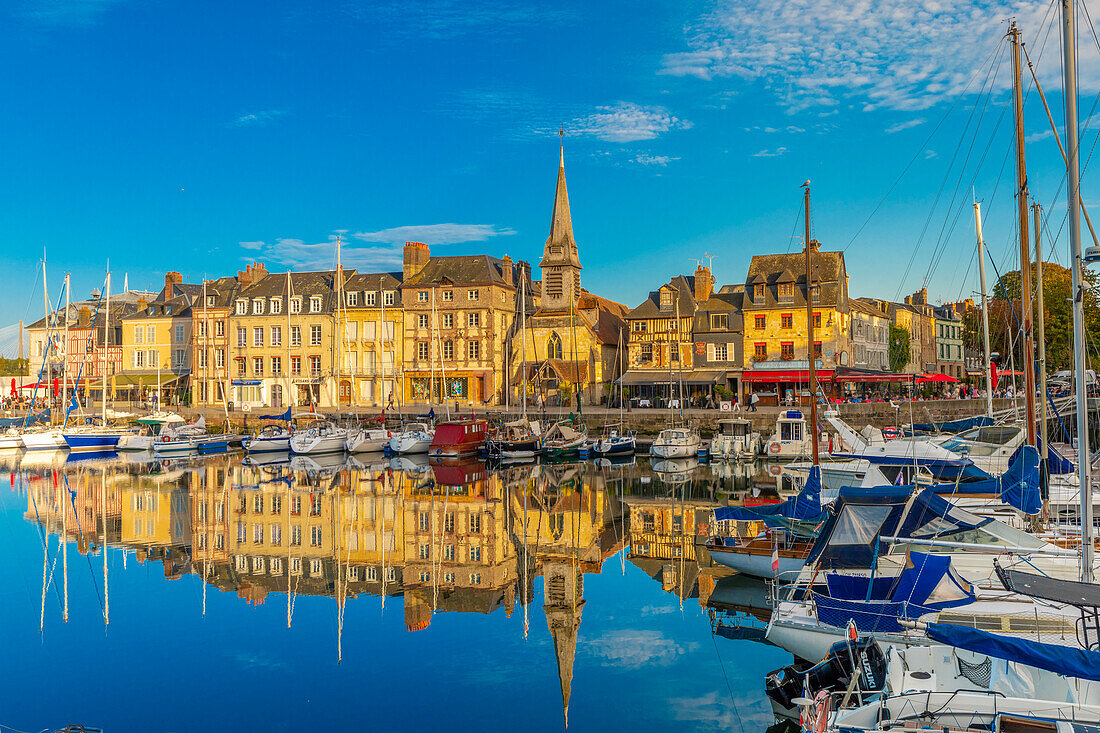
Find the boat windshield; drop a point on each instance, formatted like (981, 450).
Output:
(790, 430)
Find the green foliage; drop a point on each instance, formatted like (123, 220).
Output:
(13, 367)
(899, 348)
(1004, 312)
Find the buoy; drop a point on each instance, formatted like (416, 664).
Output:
(774, 448)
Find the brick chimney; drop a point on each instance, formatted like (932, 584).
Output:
(704, 284)
(523, 270)
(142, 303)
(918, 298)
(170, 279)
(416, 256)
(506, 270)
(251, 273)
(84, 317)
(815, 246)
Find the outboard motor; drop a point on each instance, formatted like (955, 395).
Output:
(832, 674)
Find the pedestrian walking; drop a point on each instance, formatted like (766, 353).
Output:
(753, 399)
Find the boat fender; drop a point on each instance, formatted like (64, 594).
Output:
(773, 448)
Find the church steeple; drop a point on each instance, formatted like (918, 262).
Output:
(564, 589)
(561, 263)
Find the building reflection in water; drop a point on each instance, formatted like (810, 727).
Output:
(451, 537)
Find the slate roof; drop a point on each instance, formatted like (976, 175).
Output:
(223, 289)
(373, 281)
(179, 305)
(462, 270)
(862, 306)
(827, 268)
(303, 285)
(684, 285)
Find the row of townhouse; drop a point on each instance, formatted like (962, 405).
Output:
(481, 330)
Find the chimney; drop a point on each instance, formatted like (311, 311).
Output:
(704, 284)
(506, 270)
(170, 279)
(909, 300)
(815, 246)
(523, 270)
(416, 256)
(84, 317)
(251, 273)
(142, 303)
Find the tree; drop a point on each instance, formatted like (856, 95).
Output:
(13, 367)
(1005, 310)
(899, 348)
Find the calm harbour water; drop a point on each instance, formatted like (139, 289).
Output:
(392, 595)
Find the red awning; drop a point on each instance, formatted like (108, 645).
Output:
(935, 378)
(886, 377)
(786, 375)
(36, 385)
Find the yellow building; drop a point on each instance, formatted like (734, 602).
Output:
(156, 349)
(459, 313)
(371, 353)
(774, 310)
(572, 338)
(155, 514)
(660, 355)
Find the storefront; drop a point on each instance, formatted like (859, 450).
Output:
(787, 386)
(425, 387)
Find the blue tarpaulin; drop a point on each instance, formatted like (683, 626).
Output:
(11, 422)
(953, 426)
(1018, 486)
(281, 416)
(1065, 660)
(805, 507)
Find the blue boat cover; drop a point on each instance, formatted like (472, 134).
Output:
(1064, 660)
(804, 507)
(953, 426)
(860, 516)
(280, 416)
(868, 616)
(11, 422)
(1057, 463)
(1018, 486)
(927, 580)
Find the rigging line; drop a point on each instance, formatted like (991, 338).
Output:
(922, 148)
(797, 218)
(990, 74)
(941, 244)
(722, 666)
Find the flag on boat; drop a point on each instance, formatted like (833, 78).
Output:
(775, 556)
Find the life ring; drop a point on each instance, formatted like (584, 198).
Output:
(165, 463)
(891, 433)
(774, 448)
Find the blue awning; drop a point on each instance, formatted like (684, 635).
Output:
(1065, 660)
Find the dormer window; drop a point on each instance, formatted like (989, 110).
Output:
(353, 298)
(370, 297)
(389, 297)
(210, 301)
(295, 305)
(786, 291)
(275, 305)
(816, 290)
(167, 310)
(257, 306)
(242, 307)
(666, 300)
(315, 304)
(152, 310)
(758, 292)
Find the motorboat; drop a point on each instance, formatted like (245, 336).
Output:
(793, 439)
(318, 436)
(415, 437)
(736, 439)
(269, 439)
(615, 442)
(458, 438)
(564, 439)
(92, 437)
(367, 440)
(146, 431)
(10, 439)
(682, 442)
(870, 445)
(181, 438)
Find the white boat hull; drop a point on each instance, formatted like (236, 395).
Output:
(399, 444)
(135, 442)
(10, 442)
(758, 566)
(367, 441)
(46, 440)
(268, 445)
(313, 445)
(674, 450)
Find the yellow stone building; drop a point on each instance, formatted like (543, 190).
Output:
(156, 347)
(571, 340)
(774, 310)
(370, 348)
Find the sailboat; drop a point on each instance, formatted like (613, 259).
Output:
(615, 440)
(518, 439)
(373, 440)
(46, 437)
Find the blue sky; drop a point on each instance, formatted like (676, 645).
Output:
(195, 136)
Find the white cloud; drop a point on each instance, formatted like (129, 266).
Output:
(379, 249)
(637, 648)
(770, 154)
(889, 54)
(793, 129)
(1037, 136)
(720, 712)
(627, 122)
(930, 154)
(435, 233)
(898, 127)
(67, 12)
(258, 118)
(659, 160)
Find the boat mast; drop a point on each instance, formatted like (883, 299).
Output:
(340, 326)
(523, 334)
(382, 353)
(49, 335)
(1073, 175)
(811, 357)
(288, 397)
(679, 357)
(1025, 249)
(442, 365)
(1040, 317)
(985, 310)
(65, 363)
(106, 343)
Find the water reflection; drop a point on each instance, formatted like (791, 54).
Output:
(432, 539)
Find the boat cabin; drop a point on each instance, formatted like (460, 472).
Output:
(790, 425)
(459, 437)
(735, 427)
